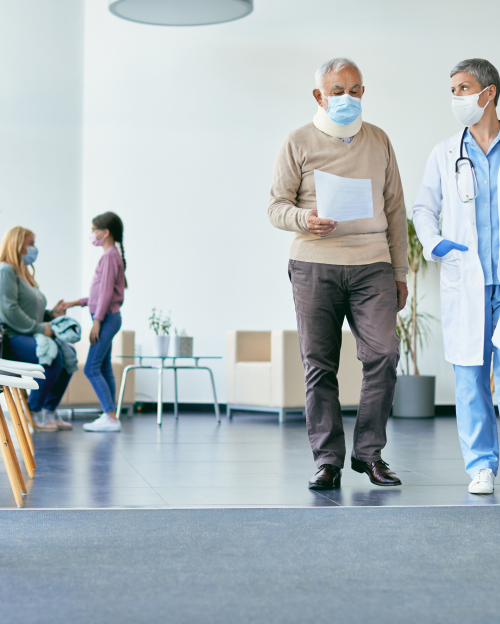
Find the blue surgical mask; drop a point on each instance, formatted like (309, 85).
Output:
(343, 109)
(30, 256)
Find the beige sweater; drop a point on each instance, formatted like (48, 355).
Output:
(382, 238)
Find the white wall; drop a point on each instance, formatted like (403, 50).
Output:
(181, 127)
(41, 95)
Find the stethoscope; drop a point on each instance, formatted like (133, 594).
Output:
(457, 165)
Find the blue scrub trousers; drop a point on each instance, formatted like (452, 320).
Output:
(476, 420)
(98, 367)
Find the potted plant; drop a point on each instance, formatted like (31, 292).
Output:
(415, 393)
(161, 327)
(182, 344)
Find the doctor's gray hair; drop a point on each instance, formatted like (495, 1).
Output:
(334, 66)
(483, 71)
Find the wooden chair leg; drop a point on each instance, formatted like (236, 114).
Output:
(24, 399)
(21, 438)
(7, 460)
(10, 460)
(492, 382)
(22, 418)
(17, 467)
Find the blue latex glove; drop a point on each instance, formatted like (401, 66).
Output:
(445, 246)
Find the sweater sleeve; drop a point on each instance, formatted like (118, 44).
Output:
(12, 313)
(287, 177)
(397, 225)
(84, 302)
(109, 268)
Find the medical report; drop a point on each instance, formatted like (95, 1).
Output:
(342, 199)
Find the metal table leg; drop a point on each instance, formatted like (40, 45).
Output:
(160, 394)
(176, 408)
(122, 387)
(216, 404)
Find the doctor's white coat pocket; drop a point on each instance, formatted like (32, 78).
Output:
(451, 273)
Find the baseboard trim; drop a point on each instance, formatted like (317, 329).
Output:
(141, 407)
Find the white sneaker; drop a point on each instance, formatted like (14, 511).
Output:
(483, 481)
(103, 423)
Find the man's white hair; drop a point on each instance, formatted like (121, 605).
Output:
(334, 66)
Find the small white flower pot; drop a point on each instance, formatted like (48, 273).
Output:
(161, 345)
(182, 346)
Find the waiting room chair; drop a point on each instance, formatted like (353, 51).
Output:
(10, 384)
(264, 372)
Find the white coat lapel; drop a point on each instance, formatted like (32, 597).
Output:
(464, 181)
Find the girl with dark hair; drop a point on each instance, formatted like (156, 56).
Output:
(104, 301)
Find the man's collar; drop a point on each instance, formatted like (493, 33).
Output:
(326, 125)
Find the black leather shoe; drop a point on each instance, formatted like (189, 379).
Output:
(378, 471)
(327, 478)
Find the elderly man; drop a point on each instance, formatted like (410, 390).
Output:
(355, 269)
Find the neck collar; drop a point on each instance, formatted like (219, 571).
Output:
(326, 125)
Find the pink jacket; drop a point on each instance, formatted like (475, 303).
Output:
(106, 291)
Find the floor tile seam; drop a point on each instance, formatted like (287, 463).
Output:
(137, 472)
(326, 498)
(162, 497)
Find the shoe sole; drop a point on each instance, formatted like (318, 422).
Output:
(482, 493)
(364, 471)
(102, 430)
(334, 486)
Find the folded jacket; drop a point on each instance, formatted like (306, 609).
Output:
(66, 329)
(46, 352)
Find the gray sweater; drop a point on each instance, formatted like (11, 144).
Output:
(22, 307)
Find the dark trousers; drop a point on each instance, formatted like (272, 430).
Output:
(366, 295)
(51, 389)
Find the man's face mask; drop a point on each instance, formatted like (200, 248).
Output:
(343, 109)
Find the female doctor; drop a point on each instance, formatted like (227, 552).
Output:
(461, 182)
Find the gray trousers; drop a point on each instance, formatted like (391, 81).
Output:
(325, 294)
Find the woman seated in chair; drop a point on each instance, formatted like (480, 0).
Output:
(23, 311)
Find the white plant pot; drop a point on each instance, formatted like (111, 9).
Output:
(161, 345)
(182, 346)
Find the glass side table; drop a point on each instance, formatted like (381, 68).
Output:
(147, 362)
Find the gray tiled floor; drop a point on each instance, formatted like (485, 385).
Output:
(251, 461)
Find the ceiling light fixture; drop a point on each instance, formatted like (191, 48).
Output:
(181, 12)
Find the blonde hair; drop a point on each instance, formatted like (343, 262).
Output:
(10, 252)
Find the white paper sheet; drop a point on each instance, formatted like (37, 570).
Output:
(342, 199)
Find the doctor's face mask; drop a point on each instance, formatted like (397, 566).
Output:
(466, 108)
(466, 92)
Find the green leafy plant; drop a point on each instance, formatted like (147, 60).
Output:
(160, 324)
(413, 327)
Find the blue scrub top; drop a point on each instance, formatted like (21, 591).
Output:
(486, 168)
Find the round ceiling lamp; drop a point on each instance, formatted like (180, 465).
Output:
(181, 12)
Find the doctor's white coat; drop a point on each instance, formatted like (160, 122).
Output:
(462, 277)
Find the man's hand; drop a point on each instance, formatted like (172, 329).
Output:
(95, 331)
(320, 227)
(402, 294)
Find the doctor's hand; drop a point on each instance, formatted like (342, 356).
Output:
(445, 246)
(402, 289)
(318, 226)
